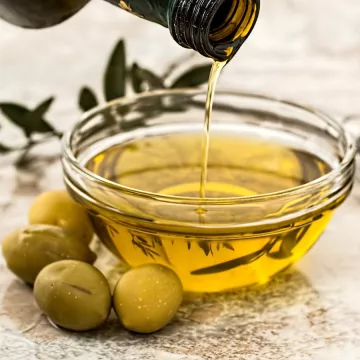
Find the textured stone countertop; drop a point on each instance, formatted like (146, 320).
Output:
(311, 312)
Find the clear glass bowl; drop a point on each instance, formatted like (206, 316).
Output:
(246, 238)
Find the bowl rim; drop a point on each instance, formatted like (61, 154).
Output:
(346, 162)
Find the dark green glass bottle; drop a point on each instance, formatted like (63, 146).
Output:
(214, 28)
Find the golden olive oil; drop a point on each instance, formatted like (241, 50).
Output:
(213, 78)
(215, 259)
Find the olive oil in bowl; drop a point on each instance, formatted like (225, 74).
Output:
(275, 174)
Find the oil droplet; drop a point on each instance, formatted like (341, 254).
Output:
(201, 211)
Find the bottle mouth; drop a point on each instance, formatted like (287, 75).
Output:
(214, 28)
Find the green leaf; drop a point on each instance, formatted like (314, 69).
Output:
(288, 243)
(115, 75)
(143, 79)
(29, 121)
(136, 80)
(193, 77)
(43, 107)
(17, 114)
(4, 149)
(228, 246)
(228, 265)
(36, 119)
(241, 261)
(87, 99)
(205, 246)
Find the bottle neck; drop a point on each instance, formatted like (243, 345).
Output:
(214, 28)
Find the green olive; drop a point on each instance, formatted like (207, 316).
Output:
(147, 298)
(28, 250)
(59, 209)
(73, 294)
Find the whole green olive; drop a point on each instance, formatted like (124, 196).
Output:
(147, 298)
(28, 250)
(73, 294)
(58, 208)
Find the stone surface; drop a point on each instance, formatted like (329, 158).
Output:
(302, 50)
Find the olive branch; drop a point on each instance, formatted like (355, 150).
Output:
(118, 79)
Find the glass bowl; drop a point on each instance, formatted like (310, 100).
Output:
(234, 238)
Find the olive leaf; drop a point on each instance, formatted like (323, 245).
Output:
(241, 261)
(228, 246)
(16, 114)
(194, 77)
(146, 248)
(206, 247)
(115, 74)
(136, 80)
(288, 242)
(36, 117)
(4, 149)
(29, 121)
(43, 107)
(87, 99)
(228, 265)
(143, 79)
